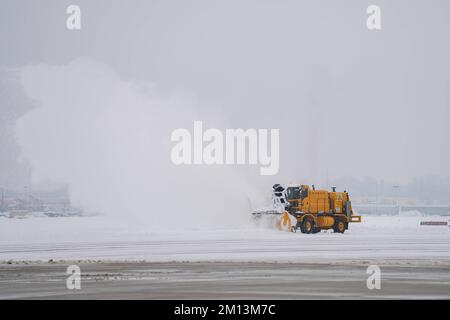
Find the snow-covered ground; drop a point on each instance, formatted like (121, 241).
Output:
(380, 238)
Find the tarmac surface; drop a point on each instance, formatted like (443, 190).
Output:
(223, 280)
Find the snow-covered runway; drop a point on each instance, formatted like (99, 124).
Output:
(378, 238)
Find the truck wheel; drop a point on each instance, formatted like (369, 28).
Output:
(308, 226)
(339, 227)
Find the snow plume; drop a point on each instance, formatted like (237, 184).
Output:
(109, 141)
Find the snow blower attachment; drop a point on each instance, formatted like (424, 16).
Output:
(309, 210)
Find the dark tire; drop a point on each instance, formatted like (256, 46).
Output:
(308, 226)
(339, 226)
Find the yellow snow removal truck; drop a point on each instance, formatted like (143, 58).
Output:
(300, 207)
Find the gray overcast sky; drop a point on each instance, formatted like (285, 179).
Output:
(347, 100)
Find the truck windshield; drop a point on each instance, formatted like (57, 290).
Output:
(293, 193)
